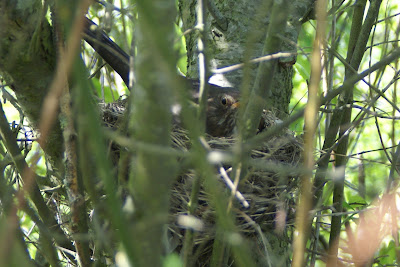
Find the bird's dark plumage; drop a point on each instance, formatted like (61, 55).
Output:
(221, 112)
(222, 103)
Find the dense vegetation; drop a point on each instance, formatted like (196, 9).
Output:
(94, 173)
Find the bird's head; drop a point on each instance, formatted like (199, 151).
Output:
(222, 110)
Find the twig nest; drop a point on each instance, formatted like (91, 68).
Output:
(112, 113)
(269, 188)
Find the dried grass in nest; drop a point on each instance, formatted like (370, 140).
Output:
(270, 187)
(112, 113)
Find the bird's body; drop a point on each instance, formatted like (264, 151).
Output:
(222, 103)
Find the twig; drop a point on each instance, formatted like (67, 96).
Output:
(232, 187)
(225, 177)
(255, 60)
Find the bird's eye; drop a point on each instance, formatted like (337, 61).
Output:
(224, 101)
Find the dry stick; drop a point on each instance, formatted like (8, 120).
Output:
(254, 60)
(233, 187)
(73, 185)
(329, 80)
(49, 114)
(225, 177)
(310, 121)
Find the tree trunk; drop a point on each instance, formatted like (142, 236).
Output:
(236, 32)
(27, 62)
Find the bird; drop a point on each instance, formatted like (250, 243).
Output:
(222, 102)
(114, 55)
(222, 109)
(221, 113)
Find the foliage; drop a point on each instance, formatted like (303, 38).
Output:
(108, 201)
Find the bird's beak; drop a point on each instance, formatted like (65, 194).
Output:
(236, 105)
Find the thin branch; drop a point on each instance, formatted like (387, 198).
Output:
(310, 123)
(30, 186)
(253, 61)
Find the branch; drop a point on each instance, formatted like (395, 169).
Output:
(30, 185)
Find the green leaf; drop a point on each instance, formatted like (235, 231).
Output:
(172, 260)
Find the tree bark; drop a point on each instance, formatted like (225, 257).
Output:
(236, 31)
(27, 62)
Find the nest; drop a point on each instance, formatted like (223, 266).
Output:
(264, 200)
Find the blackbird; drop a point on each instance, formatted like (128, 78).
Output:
(222, 102)
(222, 107)
(221, 113)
